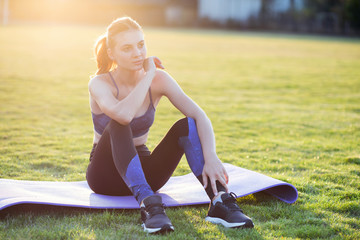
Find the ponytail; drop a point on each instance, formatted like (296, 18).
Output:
(104, 63)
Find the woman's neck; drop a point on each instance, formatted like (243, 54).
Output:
(127, 77)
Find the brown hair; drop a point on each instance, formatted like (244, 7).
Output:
(105, 41)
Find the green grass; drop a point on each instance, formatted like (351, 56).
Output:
(284, 105)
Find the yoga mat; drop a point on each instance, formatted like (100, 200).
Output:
(179, 190)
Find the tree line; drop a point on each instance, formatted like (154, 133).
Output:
(316, 16)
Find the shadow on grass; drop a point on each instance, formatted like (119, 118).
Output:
(271, 218)
(188, 221)
(191, 221)
(286, 220)
(42, 209)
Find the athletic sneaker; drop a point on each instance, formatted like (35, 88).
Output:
(224, 210)
(154, 217)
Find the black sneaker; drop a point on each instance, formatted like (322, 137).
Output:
(224, 210)
(154, 217)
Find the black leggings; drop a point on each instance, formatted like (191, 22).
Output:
(109, 159)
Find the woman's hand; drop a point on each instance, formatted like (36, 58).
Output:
(158, 63)
(151, 63)
(215, 170)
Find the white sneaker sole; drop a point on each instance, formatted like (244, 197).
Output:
(223, 222)
(165, 228)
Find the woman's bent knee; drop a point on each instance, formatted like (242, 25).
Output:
(181, 128)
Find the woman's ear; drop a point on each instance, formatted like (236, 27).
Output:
(109, 53)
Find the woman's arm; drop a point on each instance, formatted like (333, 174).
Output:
(213, 167)
(124, 110)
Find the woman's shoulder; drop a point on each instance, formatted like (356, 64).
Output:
(97, 80)
(164, 83)
(99, 77)
(162, 76)
(160, 79)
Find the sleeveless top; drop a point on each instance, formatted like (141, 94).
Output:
(139, 125)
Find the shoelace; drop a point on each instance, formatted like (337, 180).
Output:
(230, 202)
(155, 209)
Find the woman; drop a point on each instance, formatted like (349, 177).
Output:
(123, 98)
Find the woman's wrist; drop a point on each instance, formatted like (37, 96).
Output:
(150, 74)
(210, 155)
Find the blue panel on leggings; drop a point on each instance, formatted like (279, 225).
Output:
(192, 148)
(136, 181)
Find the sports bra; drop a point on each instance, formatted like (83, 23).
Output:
(139, 125)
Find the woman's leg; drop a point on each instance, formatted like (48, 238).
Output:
(115, 167)
(162, 162)
(195, 157)
(160, 165)
(223, 209)
(114, 177)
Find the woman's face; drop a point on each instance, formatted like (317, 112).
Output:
(129, 51)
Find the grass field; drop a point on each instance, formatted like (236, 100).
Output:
(284, 105)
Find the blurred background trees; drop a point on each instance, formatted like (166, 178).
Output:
(332, 16)
(304, 16)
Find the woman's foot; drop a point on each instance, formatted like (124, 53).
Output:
(154, 217)
(225, 211)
